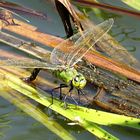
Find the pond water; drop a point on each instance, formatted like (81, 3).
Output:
(15, 125)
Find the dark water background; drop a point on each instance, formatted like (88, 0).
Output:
(16, 125)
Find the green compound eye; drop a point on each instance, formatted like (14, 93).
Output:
(82, 80)
(76, 79)
(79, 81)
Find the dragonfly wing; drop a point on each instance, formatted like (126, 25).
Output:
(110, 47)
(93, 36)
(26, 63)
(70, 51)
(62, 52)
(113, 49)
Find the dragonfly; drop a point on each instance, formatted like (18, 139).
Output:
(64, 57)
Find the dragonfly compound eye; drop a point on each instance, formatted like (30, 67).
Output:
(76, 79)
(79, 81)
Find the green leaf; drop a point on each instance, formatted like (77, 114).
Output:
(87, 118)
(21, 102)
(9, 80)
(133, 3)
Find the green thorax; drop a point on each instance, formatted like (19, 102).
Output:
(66, 75)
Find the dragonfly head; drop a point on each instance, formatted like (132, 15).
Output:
(79, 81)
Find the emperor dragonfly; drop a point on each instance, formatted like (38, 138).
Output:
(65, 56)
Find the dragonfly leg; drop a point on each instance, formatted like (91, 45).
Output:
(69, 92)
(78, 95)
(65, 105)
(62, 86)
(60, 89)
(71, 96)
(81, 92)
(71, 88)
(33, 75)
(73, 99)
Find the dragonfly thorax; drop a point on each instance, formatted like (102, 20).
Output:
(71, 76)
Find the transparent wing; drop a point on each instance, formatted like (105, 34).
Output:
(70, 51)
(26, 63)
(22, 60)
(113, 49)
(61, 53)
(110, 47)
(30, 48)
